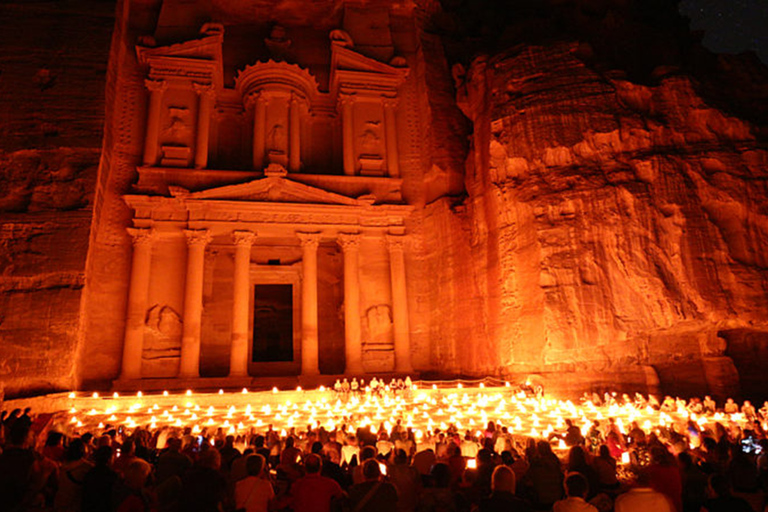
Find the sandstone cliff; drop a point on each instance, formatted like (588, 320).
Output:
(53, 59)
(623, 225)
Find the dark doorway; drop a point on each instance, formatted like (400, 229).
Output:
(272, 323)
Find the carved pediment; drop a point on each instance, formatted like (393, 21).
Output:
(275, 189)
(200, 58)
(354, 71)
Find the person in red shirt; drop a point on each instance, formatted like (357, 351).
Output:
(313, 492)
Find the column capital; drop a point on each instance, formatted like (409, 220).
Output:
(256, 97)
(156, 85)
(243, 238)
(346, 98)
(198, 237)
(390, 102)
(311, 240)
(141, 236)
(395, 242)
(348, 241)
(206, 90)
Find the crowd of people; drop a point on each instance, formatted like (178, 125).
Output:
(676, 468)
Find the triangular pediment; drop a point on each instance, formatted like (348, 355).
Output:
(275, 189)
(344, 59)
(206, 48)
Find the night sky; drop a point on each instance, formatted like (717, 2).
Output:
(731, 26)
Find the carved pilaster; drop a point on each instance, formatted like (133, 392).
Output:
(294, 141)
(395, 244)
(206, 95)
(353, 349)
(346, 102)
(197, 240)
(390, 132)
(259, 105)
(138, 291)
(309, 336)
(156, 90)
(243, 241)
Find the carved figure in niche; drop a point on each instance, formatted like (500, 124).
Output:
(379, 322)
(276, 139)
(278, 43)
(178, 129)
(370, 141)
(341, 38)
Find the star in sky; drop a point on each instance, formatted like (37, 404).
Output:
(730, 26)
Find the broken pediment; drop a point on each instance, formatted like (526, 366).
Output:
(275, 189)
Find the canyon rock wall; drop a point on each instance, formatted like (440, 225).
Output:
(624, 226)
(53, 59)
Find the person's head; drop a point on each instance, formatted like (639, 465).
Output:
(258, 441)
(685, 460)
(75, 450)
(368, 452)
(136, 473)
(210, 459)
(254, 464)
(543, 448)
(577, 458)
(371, 470)
(102, 456)
(605, 452)
(313, 463)
(229, 441)
(54, 438)
(441, 475)
(503, 480)
(719, 485)
(128, 447)
(576, 485)
(173, 444)
(19, 434)
(317, 447)
(401, 457)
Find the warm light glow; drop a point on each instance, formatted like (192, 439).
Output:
(425, 410)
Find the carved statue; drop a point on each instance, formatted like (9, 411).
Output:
(370, 141)
(276, 140)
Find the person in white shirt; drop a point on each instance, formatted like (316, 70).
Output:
(576, 487)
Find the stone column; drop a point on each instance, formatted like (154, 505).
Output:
(399, 304)
(138, 292)
(189, 364)
(294, 141)
(204, 107)
(259, 130)
(348, 133)
(238, 366)
(156, 90)
(353, 348)
(309, 339)
(393, 163)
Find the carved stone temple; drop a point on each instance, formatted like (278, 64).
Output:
(206, 193)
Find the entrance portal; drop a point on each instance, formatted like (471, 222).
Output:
(272, 323)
